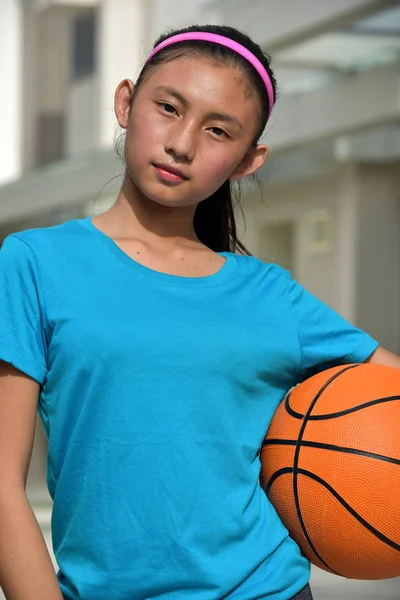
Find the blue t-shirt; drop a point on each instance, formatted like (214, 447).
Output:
(156, 394)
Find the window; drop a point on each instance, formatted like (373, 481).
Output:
(84, 45)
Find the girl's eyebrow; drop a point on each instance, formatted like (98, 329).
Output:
(212, 115)
(172, 92)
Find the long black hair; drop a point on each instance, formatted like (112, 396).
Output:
(214, 219)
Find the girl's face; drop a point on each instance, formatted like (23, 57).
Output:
(190, 128)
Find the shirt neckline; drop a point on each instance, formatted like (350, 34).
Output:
(226, 271)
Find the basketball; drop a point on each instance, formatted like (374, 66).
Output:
(330, 465)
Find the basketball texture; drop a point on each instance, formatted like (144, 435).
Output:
(331, 467)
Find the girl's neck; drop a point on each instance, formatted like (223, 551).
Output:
(134, 215)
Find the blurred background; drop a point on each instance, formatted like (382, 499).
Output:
(330, 207)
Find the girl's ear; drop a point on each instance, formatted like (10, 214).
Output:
(123, 101)
(251, 162)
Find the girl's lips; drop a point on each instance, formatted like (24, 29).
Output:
(170, 173)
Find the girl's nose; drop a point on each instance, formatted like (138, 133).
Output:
(181, 142)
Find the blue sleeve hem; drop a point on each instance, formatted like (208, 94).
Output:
(23, 363)
(362, 351)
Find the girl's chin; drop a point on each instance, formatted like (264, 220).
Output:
(168, 200)
(163, 195)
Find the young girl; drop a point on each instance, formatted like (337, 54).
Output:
(157, 356)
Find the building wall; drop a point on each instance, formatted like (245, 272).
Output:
(54, 51)
(10, 95)
(305, 204)
(274, 23)
(378, 252)
(83, 116)
(184, 14)
(28, 116)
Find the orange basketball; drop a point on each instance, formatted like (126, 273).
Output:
(331, 467)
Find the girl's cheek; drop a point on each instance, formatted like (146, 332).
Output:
(145, 123)
(221, 165)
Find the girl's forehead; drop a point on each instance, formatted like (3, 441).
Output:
(197, 75)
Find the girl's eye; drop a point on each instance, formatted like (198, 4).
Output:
(168, 107)
(217, 131)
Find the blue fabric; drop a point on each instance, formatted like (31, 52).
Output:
(156, 393)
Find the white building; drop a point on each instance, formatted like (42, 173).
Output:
(331, 208)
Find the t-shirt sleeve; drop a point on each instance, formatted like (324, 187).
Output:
(22, 339)
(326, 339)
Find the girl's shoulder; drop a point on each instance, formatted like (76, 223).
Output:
(256, 266)
(41, 238)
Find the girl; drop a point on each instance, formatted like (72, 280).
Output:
(157, 356)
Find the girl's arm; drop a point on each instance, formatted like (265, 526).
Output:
(384, 357)
(26, 570)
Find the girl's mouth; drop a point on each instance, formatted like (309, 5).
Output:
(168, 173)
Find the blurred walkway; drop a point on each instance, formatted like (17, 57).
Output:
(324, 585)
(330, 587)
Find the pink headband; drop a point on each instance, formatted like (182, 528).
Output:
(222, 41)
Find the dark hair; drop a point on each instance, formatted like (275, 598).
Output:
(214, 219)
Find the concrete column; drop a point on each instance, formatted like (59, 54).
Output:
(123, 47)
(30, 79)
(378, 253)
(10, 94)
(346, 243)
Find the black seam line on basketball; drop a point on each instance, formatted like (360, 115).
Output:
(354, 409)
(275, 476)
(351, 510)
(333, 447)
(267, 490)
(298, 415)
(296, 460)
(290, 410)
